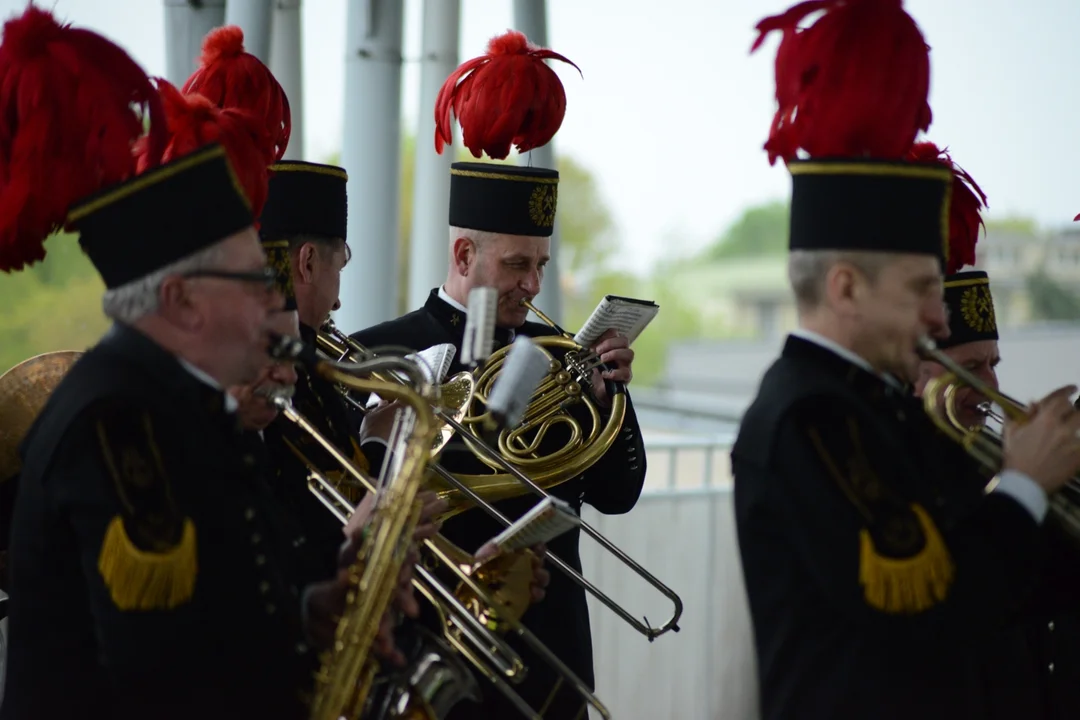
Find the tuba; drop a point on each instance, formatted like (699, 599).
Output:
(981, 443)
(24, 390)
(547, 409)
(468, 616)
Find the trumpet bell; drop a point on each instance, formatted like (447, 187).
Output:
(567, 386)
(455, 396)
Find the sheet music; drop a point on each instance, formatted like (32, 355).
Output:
(626, 315)
(434, 363)
(548, 519)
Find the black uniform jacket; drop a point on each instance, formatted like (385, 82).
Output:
(131, 449)
(612, 486)
(323, 406)
(829, 456)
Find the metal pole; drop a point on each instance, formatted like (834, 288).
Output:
(530, 18)
(431, 182)
(187, 22)
(286, 53)
(253, 17)
(371, 153)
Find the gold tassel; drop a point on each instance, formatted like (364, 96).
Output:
(359, 458)
(909, 585)
(140, 580)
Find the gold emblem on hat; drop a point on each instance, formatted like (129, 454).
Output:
(542, 204)
(977, 308)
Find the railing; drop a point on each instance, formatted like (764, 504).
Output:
(683, 531)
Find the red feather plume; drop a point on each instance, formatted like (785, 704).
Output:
(194, 122)
(230, 77)
(73, 104)
(507, 97)
(968, 202)
(855, 83)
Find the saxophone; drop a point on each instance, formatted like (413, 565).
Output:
(348, 668)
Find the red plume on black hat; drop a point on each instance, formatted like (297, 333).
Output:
(231, 77)
(73, 104)
(967, 203)
(853, 84)
(194, 122)
(508, 96)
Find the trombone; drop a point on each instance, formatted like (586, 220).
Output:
(452, 611)
(332, 340)
(982, 444)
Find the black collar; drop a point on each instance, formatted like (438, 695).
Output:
(453, 320)
(861, 380)
(163, 367)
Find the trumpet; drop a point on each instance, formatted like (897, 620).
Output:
(981, 443)
(546, 408)
(468, 633)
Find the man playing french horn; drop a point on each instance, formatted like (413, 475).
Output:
(501, 219)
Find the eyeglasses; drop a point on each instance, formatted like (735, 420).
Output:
(267, 277)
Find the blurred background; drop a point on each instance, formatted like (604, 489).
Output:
(667, 195)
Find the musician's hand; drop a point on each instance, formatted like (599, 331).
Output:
(614, 349)
(432, 507)
(541, 577)
(361, 515)
(379, 421)
(1047, 447)
(324, 602)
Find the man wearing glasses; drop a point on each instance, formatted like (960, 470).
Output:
(153, 574)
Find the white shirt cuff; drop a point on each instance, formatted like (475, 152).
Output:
(1025, 491)
(377, 440)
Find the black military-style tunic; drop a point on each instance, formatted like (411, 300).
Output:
(612, 486)
(153, 573)
(876, 575)
(322, 405)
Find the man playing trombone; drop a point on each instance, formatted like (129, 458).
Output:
(1031, 665)
(501, 218)
(873, 580)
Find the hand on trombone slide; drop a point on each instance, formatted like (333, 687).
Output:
(541, 577)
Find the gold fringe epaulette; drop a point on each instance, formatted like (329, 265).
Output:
(141, 580)
(908, 585)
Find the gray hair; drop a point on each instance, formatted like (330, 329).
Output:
(140, 297)
(807, 270)
(480, 237)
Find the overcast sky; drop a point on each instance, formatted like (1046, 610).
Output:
(672, 111)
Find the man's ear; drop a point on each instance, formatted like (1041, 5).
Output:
(304, 264)
(843, 287)
(463, 254)
(174, 304)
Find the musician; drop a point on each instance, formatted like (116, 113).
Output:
(1032, 669)
(872, 580)
(303, 230)
(151, 575)
(501, 219)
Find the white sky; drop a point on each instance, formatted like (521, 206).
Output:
(672, 111)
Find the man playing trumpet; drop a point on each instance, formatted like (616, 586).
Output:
(873, 579)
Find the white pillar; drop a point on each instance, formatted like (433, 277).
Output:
(371, 153)
(186, 24)
(431, 183)
(253, 17)
(286, 63)
(530, 17)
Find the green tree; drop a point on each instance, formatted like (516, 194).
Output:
(1050, 300)
(760, 230)
(587, 233)
(1014, 224)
